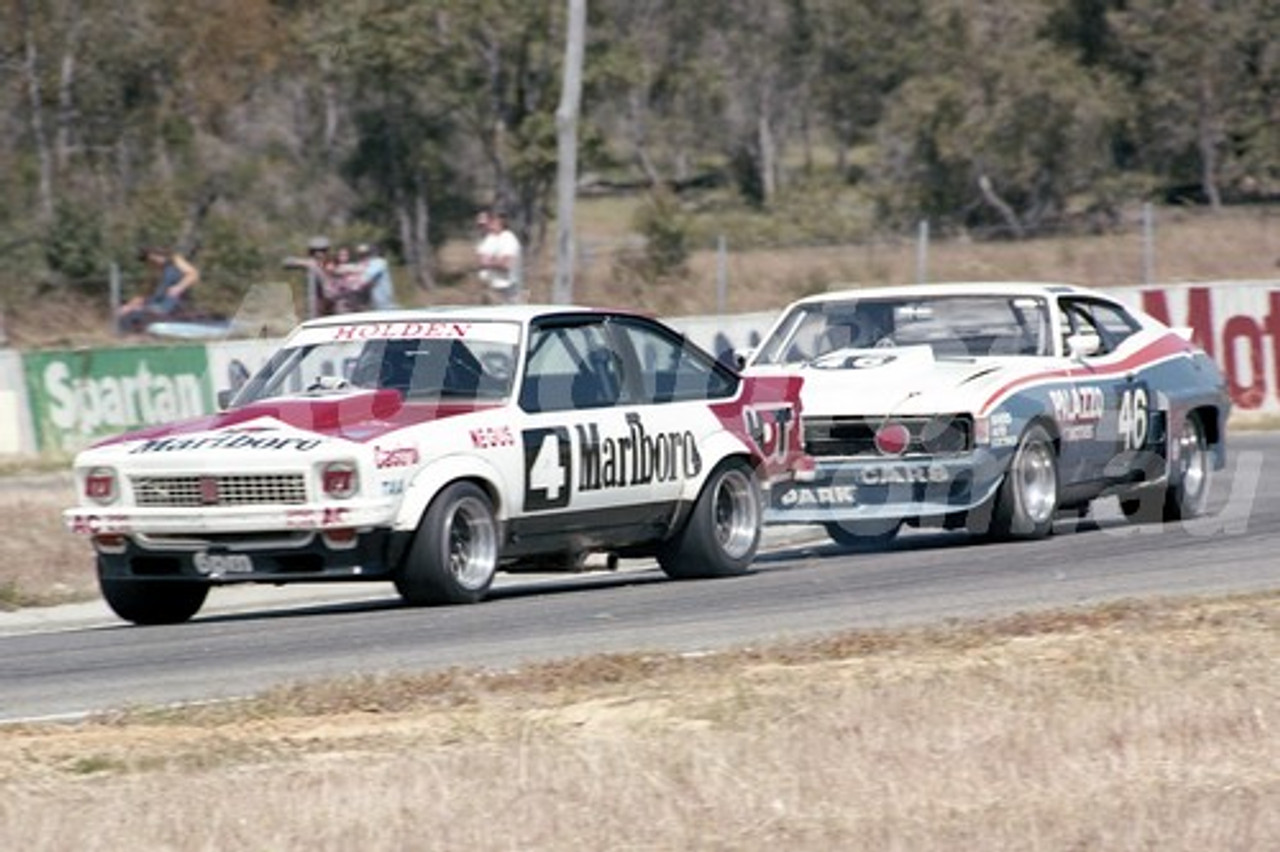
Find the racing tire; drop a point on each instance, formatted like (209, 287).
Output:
(1028, 497)
(863, 536)
(152, 602)
(722, 533)
(454, 554)
(1187, 494)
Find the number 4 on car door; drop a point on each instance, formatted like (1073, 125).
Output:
(548, 463)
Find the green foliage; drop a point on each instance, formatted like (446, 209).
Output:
(243, 127)
(818, 210)
(75, 247)
(231, 260)
(664, 228)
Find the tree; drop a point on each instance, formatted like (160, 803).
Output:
(567, 150)
(1198, 68)
(998, 126)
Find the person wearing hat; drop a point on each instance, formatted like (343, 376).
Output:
(318, 265)
(376, 275)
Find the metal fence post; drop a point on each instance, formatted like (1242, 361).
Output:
(1148, 244)
(722, 275)
(113, 292)
(922, 252)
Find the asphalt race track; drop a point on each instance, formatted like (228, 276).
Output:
(71, 661)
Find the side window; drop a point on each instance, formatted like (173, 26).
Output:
(1113, 322)
(1110, 323)
(571, 366)
(670, 368)
(1076, 321)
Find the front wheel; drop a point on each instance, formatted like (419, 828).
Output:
(152, 601)
(722, 533)
(454, 554)
(1028, 497)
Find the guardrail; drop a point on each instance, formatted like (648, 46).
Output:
(56, 401)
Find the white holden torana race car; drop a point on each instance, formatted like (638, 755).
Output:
(991, 406)
(431, 449)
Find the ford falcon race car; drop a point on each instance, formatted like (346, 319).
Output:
(991, 407)
(433, 448)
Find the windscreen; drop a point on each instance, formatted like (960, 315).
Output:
(952, 326)
(427, 362)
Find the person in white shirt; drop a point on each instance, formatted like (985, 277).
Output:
(498, 257)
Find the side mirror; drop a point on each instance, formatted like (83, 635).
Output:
(224, 398)
(1083, 345)
(742, 356)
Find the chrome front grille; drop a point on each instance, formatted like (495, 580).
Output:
(939, 435)
(220, 490)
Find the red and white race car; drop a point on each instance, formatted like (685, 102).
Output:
(432, 448)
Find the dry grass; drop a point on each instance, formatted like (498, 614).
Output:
(1152, 726)
(40, 562)
(1190, 245)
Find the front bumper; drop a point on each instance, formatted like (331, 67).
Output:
(851, 490)
(307, 557)
(221, 520)
(274, 544)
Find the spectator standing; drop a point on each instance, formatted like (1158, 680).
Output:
(498, 258)
(174, 277)
(377, 278)
(318, 265)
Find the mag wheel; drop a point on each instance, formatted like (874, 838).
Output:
(1028, 497)
(152, 601)
(722, 533)
(1185, 493)
(454, 555)
(1188, 493)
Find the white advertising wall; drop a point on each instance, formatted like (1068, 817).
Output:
(1237, 322)
(16, 437)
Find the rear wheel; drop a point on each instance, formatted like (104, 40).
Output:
(152, 601)
(454, 554)
(722, 533)
(863, 535)
(1187, 494)
(1028, 497)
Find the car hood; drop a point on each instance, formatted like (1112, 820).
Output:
(904, 380)
(296, 423)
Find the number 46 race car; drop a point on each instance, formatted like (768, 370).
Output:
(991, 407)
(433, 448)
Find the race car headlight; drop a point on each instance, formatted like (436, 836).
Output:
(100, 485)
(339, 480)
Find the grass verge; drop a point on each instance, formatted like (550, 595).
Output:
(1129, 726)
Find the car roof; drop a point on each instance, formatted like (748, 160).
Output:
(954, 288)
(478, 313)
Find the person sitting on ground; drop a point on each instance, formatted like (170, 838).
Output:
(174, 276)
